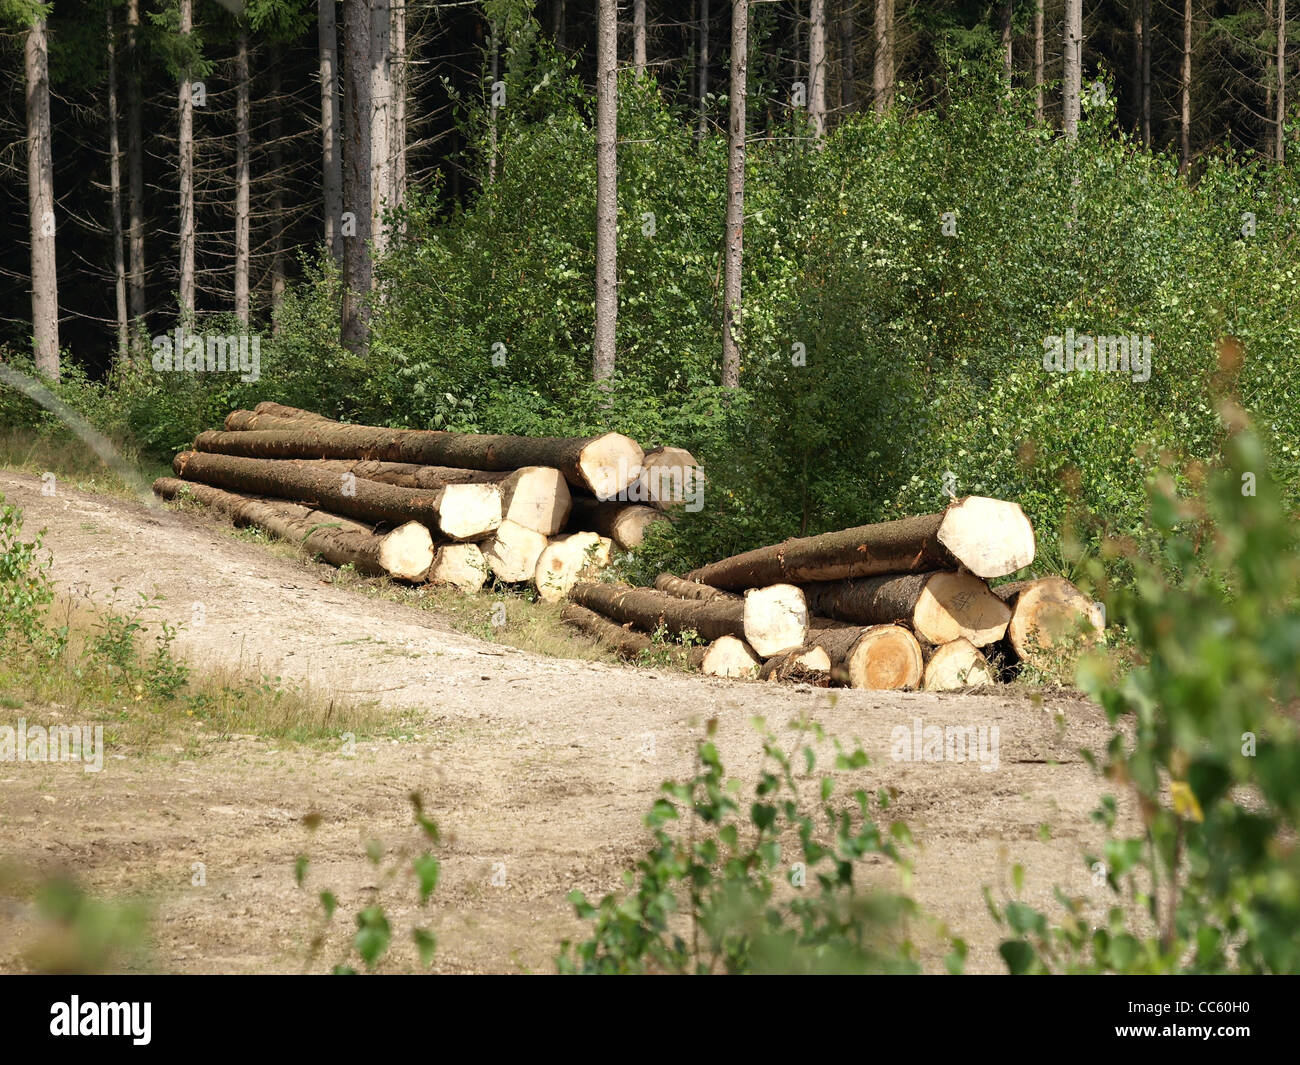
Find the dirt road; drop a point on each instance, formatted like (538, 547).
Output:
(539, 769)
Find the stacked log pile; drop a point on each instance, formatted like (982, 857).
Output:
(897, 605)
(440, 507)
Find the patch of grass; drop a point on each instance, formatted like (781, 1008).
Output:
(72, 463)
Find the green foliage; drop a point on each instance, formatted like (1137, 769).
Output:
(26, 590)
(1205, 741)
(717, 893)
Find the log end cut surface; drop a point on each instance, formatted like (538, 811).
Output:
(885, 658)
(610, 464)
(990, 537)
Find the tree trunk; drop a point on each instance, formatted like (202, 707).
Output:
(1185, 115)
(703, 127)
(40, 202)
(638, 37)
(494, 49)
(666, 582)
(882, 76)
(601, 465)
(115, 194)
(185, 174)
(277, 188)
(381, 97)
(270, 415)
(405, 553)
(1008, 55)
(989, 537)
(400, 88)
(134, 163)
(817, 67)
(242, 108)
(606, 189)
(357, 207)
(731, 296)
(460, 511)
(1045, 612)
(807, 665)
(1038, 61)
(877, 658)
(1146, 72)
(956, 664)
(770, 623)
(1280, 142)
(623, 642)
(624, 523)
(938, 607)
(567, 560)
(331, 154)
(1072, 87)
(848, 92)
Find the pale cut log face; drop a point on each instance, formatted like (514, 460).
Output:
(957, 605)
(886, 658)
(990, 537)
(1049, 611)
(955, 665)
(776, 619)
(513, 552)
(567, 560)
(470, 511)
(460, 565)
(728, 656)
(407, 551)
(538, 499)
(610, 464)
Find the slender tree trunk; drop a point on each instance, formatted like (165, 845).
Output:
(1146, 72)
(847, 91)
(115, 192)
(399, 103)
(735, 235)
(242, 109)
(276, 131)
(40, 201)
(1038, 61)
(381, 94)
(1185, 122)
(134, 163)
(882, 81)
(606, 188)
(817, 67)
(704, 67)
(1008, 57)
(358, 269)
(1280, 144)
(1073, 79)
(331, 156)
(638, 37)
(185, 169)
(492, 129)
(558, 31)
(1270, 80)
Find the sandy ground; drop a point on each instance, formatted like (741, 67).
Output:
(538, 769)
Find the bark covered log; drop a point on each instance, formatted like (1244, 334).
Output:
(405, 553)
(666, 582)
(1046, 612)
(989, 537)
(625, 642)
(624, 523)
(878, 657)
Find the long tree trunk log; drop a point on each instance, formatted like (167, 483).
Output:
(878, 658)
(1046, 612)
(956, 664)
(269, 415)
(405, 553)
(624, 523)
(461, 512)
(567, 560)
(938, 607)
(666, 582)
(770, 624)
(626, 643)
(989, 537)
(601, 465)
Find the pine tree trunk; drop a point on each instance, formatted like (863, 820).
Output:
(638, 37)
(242, 178)
(1280, 141)
(358, 269)
(666, 582)
(817, 67)
(848, 91)
(400, 87)
(276, 129)
(1146, 72)
(40, 202)
(703, 126)
(882, 79)
(1072, 87)
(1185, 113)
(135, 164)
(381, 96)
(1039, 77)
(185, 174)
(115, 193)
(1008, 55)
(735, 234)
(331, 155)
(606, 189)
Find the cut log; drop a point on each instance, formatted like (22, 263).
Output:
(808, 665)
(938, 607)
(957, 664)
(666, 582)
(770, 625)
(538, 498)
(729, 657)
(624, 523)
(461, 566)
(268, 415)
(989, 537)
(567, 560)
(409, 474)
(460, 511)
(1045, 612)
(513, 552)
(405, 553)
(625, 642)
(601, 465)
(878, 658)
(670, 477)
